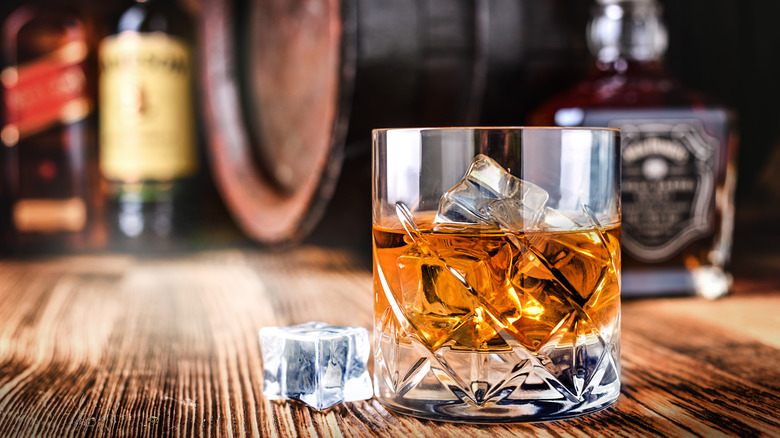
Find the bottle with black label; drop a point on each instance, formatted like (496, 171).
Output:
(48, 177)
(678, 152)
(148, 143)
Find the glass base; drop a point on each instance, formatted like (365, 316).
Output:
(497, 387)
(507, 411)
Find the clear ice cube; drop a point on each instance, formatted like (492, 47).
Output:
(315, 363)
(489, 195)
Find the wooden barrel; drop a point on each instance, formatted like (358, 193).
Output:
(292, 89)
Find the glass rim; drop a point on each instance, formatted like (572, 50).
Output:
(496, 128)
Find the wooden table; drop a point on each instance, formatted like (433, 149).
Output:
(114, 345)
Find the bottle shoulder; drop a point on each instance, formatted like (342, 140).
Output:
(35, 29)
(637, 89)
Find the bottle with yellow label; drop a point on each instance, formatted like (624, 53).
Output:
(148, 141)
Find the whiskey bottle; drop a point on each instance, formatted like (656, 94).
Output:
(148, 150)
(678, 152)
(47, 134)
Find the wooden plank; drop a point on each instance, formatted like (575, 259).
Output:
(117, 346)
(737, 334)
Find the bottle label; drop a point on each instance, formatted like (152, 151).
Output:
(50, 215)
(146, 113)
(44, 92)
(669, 162)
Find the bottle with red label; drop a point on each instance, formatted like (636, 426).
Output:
(47, 129)
(678, 152)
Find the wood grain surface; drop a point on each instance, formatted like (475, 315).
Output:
(112, 345)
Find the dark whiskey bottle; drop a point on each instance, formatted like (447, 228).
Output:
(148, 144)
(678, 151)
(47, 130)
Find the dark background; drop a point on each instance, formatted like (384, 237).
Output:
(726, 48)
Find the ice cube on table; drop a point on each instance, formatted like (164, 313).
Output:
(316, 363)
(489, 195)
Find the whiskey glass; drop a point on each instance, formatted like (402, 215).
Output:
(496, 255)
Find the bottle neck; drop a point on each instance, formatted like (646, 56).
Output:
(149, 16)
(623, 33)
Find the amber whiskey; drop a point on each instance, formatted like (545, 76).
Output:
(148, 149)
(457, 287)
(47, 134)
(678, 151)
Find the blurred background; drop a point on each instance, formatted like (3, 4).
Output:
(285, 93)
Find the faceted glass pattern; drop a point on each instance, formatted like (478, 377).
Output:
(468, 322)
(502, 305)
